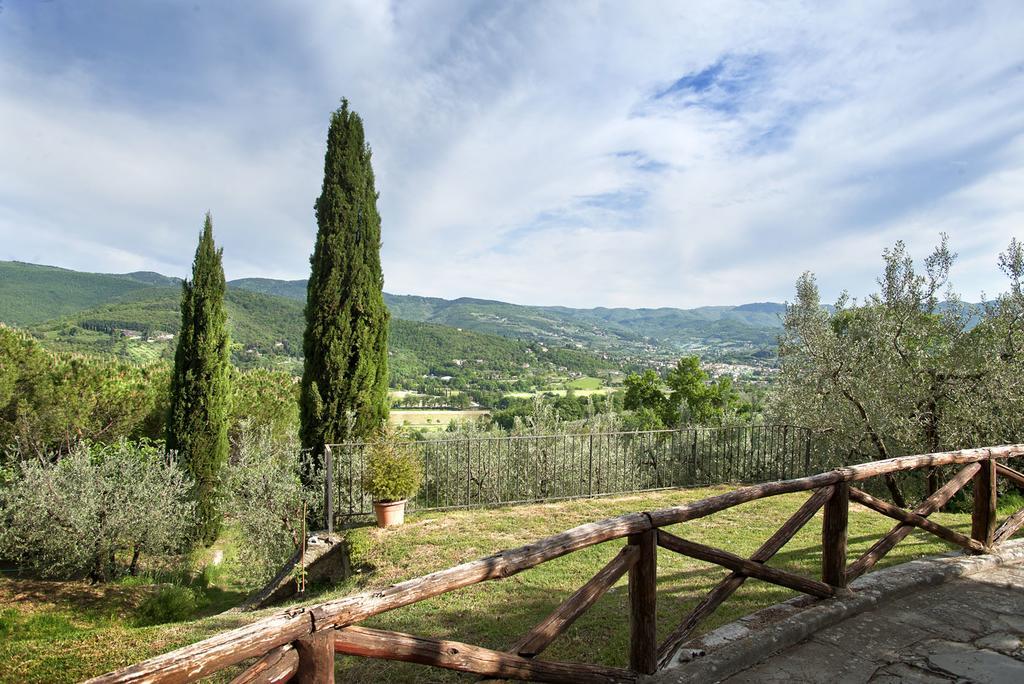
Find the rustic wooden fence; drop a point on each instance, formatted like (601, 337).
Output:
(301, 643)
(492, 471)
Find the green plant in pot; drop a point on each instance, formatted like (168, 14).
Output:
(393, 475)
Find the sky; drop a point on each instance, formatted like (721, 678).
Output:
(639, 154)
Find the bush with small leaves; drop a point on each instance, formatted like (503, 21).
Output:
(170, 603)
(265, 498)
(393, 471)
(95, 511)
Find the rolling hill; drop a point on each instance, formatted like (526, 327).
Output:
(31, 294)
(266, 330)
(712, 330)
(266, 316)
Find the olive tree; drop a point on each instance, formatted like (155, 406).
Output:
(904, 371)
(266, 497)
(95, 511)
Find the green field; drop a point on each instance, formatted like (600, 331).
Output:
(67, 631)
(585, 383)
(431, 419)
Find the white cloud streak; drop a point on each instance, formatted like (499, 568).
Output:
(520, 151)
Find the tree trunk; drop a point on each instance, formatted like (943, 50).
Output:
(133, 569)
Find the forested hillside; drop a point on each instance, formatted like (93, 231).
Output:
(718, 331)
(135, 320)
(31, 294)
(630, 336)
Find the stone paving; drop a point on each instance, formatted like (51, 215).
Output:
(966, 630)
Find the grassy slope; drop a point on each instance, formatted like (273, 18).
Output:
(31, 294)
(492, 614)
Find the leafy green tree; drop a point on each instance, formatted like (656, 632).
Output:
(94, 509)
(51, 401)
(197, 425)
(266, 498)
(645, 397)
(694, 397)
(904, 371)
(345, 376)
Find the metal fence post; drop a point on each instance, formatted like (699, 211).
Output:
(807, 452)
(590, 461)
(329, 487)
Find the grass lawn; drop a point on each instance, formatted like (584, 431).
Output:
(68, 631)
(585, 384)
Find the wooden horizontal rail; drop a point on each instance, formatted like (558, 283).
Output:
(854, 473)
(747, 567)
(351, 609)
(541, 636)
(205, 657)
(455, 655)
(897, 513)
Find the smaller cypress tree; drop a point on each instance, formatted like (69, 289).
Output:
(197, 427)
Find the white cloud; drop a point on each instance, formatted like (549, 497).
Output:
(499, 133)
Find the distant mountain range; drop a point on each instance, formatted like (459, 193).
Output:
(267, 314)
(713, 330)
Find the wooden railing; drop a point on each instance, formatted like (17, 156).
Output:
(301, 643)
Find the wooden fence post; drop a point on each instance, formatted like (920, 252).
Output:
(329, 487)
(834, 534)
(643, 638)
(983, 518)
(316, 658)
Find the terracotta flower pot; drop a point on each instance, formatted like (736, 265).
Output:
(389, 513)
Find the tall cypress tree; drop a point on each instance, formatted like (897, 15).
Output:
(197, 428)
(345, 377)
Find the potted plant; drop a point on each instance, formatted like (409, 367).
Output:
(393, 474)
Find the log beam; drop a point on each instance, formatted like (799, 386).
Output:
(1010, 473)
(316, 658)
(983, 517)
(455, 655)
(643, 596)
(277, 666)
(744, 566)
(900, 532)
(834, 535)
(897, 513)
(1009, 527)
(541, 636)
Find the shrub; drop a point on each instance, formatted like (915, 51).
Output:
(393, 470)
(94, 510)
(170, 603)
(265, 498)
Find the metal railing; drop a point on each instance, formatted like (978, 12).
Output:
(491, 471)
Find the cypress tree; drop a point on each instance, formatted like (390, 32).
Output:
(345, 376)
(197, 428)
